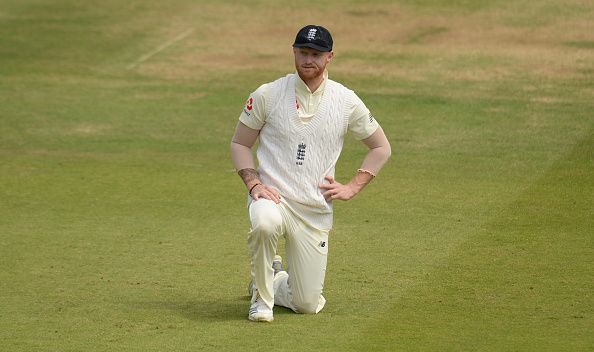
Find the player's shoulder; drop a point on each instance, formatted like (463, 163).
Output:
(344, 91)
(268, 86)
(285, 81)
(339, 86)
(261, 90)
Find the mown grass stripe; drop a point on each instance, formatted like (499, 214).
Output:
(515, 284)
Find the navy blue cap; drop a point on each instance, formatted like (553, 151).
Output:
(315, 37)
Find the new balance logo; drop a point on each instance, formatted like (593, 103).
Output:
(300, 153)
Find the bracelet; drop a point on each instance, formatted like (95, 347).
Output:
(366, 172)
(254, 186)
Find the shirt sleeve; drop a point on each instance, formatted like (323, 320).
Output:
(254, 110)
(362, 124)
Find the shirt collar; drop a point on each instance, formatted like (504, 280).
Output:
(303, 88)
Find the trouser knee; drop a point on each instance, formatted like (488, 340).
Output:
(266, 225)
(307, 307)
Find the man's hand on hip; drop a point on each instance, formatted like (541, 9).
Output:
(336, 190)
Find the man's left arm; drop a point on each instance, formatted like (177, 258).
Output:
(378, 154)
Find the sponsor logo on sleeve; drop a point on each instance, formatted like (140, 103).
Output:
(249, 105)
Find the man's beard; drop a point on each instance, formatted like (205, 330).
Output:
(307, 74)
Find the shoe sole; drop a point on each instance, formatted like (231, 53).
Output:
(261, 319)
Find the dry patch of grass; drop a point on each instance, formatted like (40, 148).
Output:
(88, 129)
(383, 40)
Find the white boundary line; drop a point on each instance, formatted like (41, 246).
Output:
(160, 48)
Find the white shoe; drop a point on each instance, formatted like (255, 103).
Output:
(259, 311)
(277, 264)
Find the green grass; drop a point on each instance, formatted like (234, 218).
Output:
(123, 225)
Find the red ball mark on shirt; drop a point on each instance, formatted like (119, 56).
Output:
(297, 104)
(249, 103)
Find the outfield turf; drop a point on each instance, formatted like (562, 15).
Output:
(123, 224)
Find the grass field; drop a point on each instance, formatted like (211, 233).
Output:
(123, 225)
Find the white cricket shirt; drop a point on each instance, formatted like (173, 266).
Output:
(301, 137)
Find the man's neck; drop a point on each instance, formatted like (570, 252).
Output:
(314, 83)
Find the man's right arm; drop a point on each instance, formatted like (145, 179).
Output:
(243, 160)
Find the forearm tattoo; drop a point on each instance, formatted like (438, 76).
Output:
(248, 176)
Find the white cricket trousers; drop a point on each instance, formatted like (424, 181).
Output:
(306, 252)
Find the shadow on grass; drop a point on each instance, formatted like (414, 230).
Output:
(196, 310)
(201, 310)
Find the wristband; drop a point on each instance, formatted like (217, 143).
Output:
(366, 172)
(254, 186)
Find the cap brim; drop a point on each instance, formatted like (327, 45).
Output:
(312, 46)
